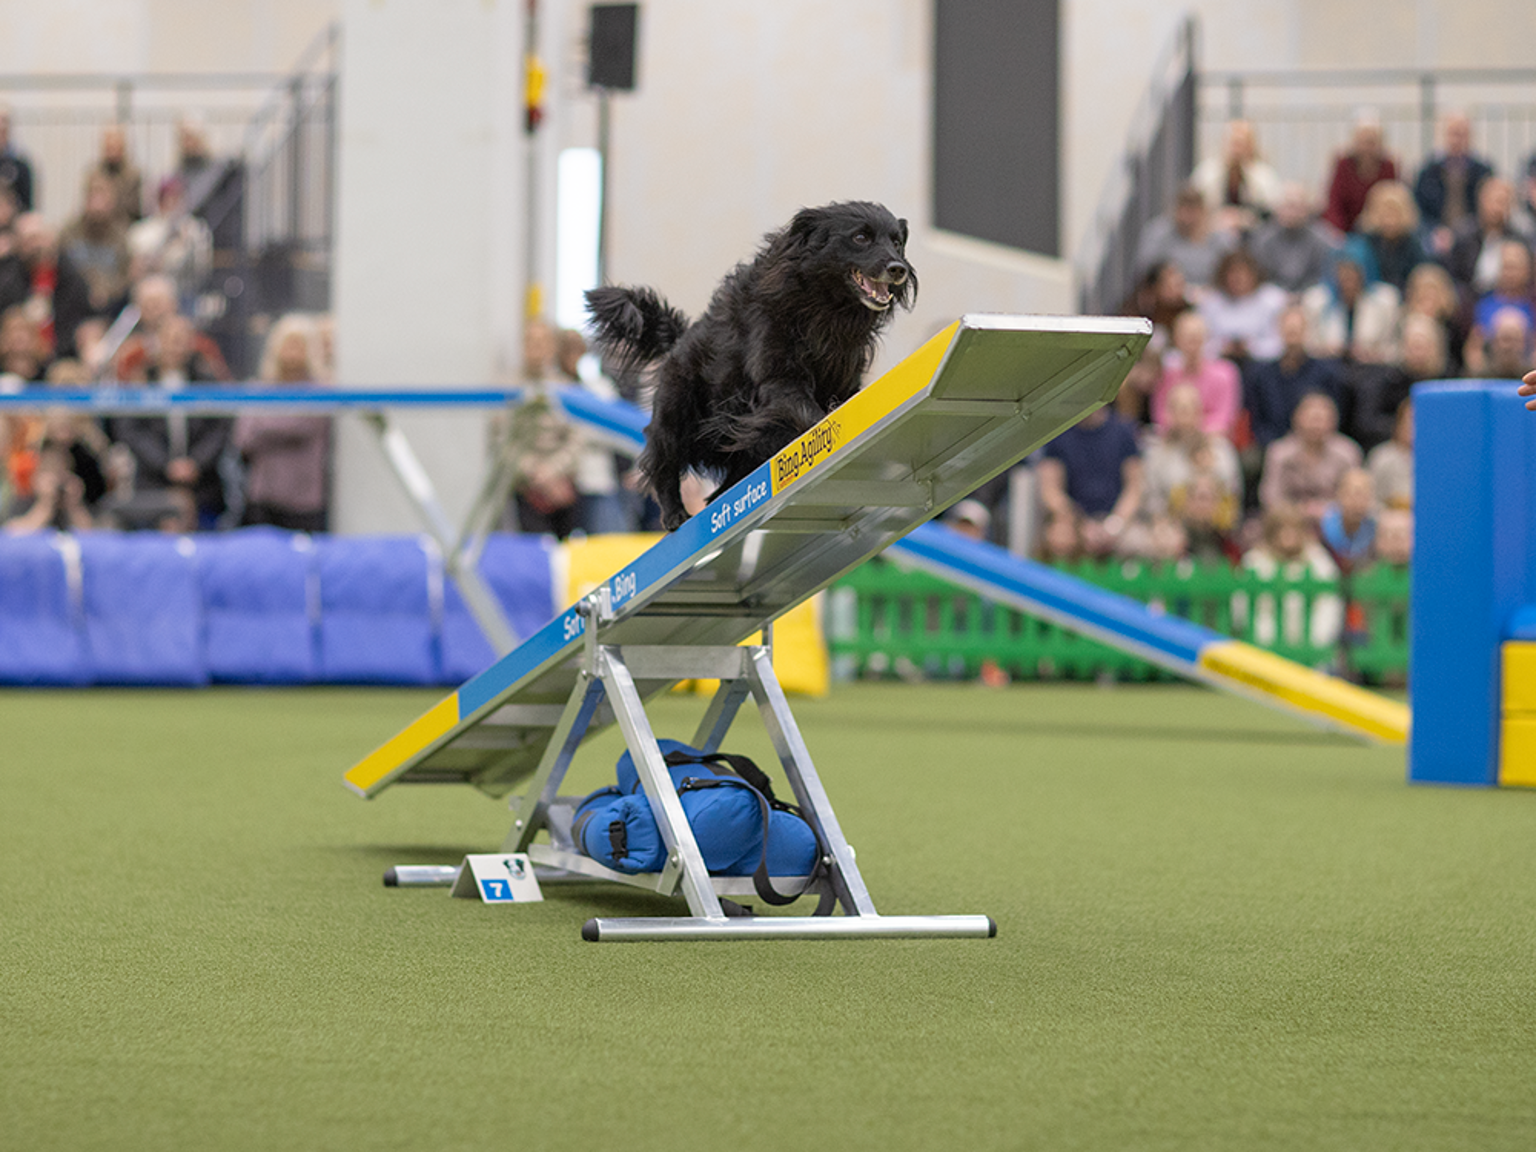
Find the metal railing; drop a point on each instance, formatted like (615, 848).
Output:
(1303, 119)
(1159, 155)
(269, 199)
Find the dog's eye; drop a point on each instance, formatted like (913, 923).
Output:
(861, 238)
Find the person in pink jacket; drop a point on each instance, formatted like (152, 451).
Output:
(1217, 381)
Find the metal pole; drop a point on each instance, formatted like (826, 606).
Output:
(604, 123)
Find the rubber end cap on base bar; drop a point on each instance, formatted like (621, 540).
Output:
(391, 878)
(589, 931)
(991, 928)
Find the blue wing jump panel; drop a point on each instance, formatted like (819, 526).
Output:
(42, 640)
(142, 609)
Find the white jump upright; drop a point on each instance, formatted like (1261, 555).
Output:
(972, 402)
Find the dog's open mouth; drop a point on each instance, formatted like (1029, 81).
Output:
(874, 294)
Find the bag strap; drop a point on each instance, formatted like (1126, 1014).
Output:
(760, 879)
(742, 766)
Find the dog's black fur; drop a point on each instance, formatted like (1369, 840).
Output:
(785, 340)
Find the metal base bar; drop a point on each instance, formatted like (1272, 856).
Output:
(421, 876)
(786, 928)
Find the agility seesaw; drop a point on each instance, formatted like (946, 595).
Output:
(970, 403)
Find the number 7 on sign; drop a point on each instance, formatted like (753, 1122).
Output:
(495, 891)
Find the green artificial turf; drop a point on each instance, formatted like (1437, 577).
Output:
(1217, 929)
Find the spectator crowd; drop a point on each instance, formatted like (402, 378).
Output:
(112, 297)
(1269, 423)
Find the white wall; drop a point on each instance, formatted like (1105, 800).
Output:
(428, 233)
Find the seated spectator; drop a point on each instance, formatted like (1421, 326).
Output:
(1133, 401)
(1091, 475)
(1348, 526)
(172, 243)
(1206, 509)
(602, 506)
(1061, 540)
(1505, 353)
(176, 457)
(118, 171)
(1432, 293)
(1390, 463)
(1302, 469)
(1394, 538)
(95, 242)
(1378, 390)
(1242, 312)
(1446, 189)
(1292, 248)
(195, 165)
(1350, 320)
(1273, 388)
(1289, 551)
(38, 276)
(1238, 187)
(1386, 241)
(1475, 249)
(78, 437)
(1161, 297)
(1511, 289)
(544, 445)
(57, 501)
(1214, 378)
(1186, 237)
(1175, 455)
(1362, 165)
(971, 519)
(155, 298)
(23, 351)
(15, 168)
(286, 455)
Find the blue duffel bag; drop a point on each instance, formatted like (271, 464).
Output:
(741, 828)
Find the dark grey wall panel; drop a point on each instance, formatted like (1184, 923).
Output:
(996, 119)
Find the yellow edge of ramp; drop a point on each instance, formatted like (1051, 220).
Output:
(1336, 700)
(364, 776)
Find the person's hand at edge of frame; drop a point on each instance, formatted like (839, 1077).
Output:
(1528, 388)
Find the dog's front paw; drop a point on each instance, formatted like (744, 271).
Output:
(672, 521)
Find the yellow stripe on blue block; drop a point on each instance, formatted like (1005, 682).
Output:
(1298, 686)
(367, 774)
(1517, 751)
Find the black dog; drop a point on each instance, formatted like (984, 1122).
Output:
(785, 340)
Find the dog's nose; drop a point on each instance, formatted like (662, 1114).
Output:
(896, 272)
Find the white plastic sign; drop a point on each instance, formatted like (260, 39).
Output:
(498, 879)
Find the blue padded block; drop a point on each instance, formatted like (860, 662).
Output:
(42, 640)
(259, 622)
(517, 570)
(1474, 566)
(377, 610)
(143, 613)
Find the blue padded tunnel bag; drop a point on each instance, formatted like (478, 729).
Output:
(729, 804)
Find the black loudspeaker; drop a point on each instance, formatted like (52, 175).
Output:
(611, 50)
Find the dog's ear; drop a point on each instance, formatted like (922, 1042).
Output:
(901, 226)
(798, 235)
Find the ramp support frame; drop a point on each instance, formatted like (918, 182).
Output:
(613, 675)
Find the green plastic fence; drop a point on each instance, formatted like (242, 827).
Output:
(884, 619)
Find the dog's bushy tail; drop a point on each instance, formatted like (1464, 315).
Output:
(633, 326)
